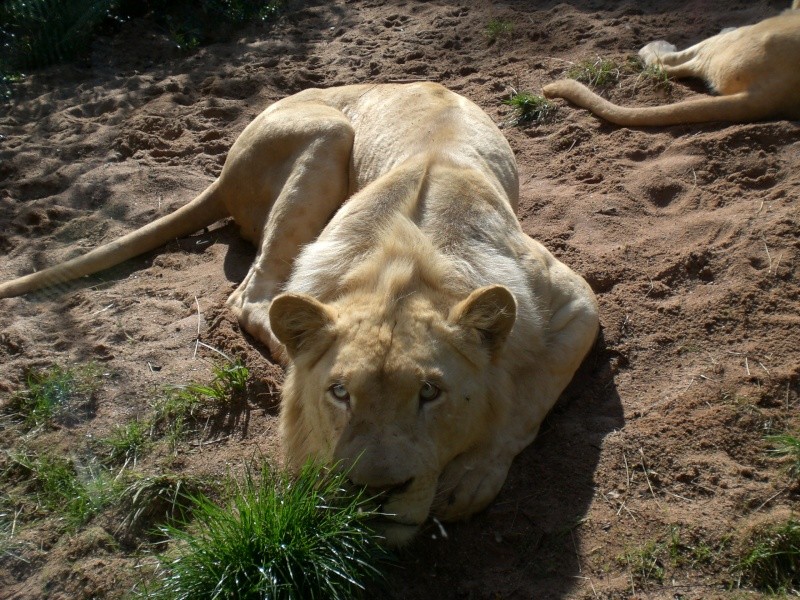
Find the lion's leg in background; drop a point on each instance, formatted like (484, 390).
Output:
(306, 163)
(683, 63)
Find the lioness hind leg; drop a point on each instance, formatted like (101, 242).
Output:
(683, 63)
(316, 147)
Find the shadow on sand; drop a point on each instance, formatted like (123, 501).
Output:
(527, 543)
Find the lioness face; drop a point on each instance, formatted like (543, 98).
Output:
(393, 394)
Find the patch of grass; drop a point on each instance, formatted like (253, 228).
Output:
(163, 498)
(529, 108)
(172, 414)
(693, 552)
(278, 537)
(599, 72)
(181, 404)
(175, 405)
(185, 38)
(657, 76)
(786, 446)
(652, 562)
(645, 563)
(229, 379)
(771, 560)
(7, 522)
(61, 487)
(689, 349)
(127, 442)
(744, 405)
(498, 29)
(175, 432)
(58, 393)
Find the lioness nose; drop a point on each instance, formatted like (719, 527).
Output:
(390, 490)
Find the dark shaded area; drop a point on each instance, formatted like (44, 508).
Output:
(38, 33)
(527, 543)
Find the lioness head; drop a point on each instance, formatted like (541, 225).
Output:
(394, 389)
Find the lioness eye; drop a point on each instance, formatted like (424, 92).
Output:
(339, 392)
(429, 392)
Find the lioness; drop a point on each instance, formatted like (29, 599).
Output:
(426, 335)
(756, 69)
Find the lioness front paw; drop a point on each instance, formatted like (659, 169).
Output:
(254, 319)
(469, 486)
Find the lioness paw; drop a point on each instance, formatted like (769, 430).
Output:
(653, 52)
(469, 485)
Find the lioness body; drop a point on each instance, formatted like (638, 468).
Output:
(755, 69)
(426, 335)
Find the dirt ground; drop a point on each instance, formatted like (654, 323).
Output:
(689, 235)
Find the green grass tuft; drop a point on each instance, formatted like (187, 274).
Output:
(657, 76)
(786, 446)
(599, 72)
(529, 108)
(497, 29)
(8, 517)
(771, 561)
(127, 442)
(56, 393)
(229, 379)
(278, 537)
(692, 551)
(61, 487)
(173, 411)
(163, 498)
(645, 563)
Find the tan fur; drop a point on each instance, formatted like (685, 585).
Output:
(754, 69)
(391, 265)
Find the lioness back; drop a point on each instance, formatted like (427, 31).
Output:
(398, 121)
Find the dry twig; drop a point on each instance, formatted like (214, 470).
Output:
(647, 477)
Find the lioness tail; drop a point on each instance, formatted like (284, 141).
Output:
(204, 210)
(735, 107)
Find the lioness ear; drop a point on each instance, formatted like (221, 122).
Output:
(297, 320)
(491, 310)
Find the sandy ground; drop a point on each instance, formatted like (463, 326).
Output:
(688, 235)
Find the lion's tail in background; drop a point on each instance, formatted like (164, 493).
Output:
(735, 107)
